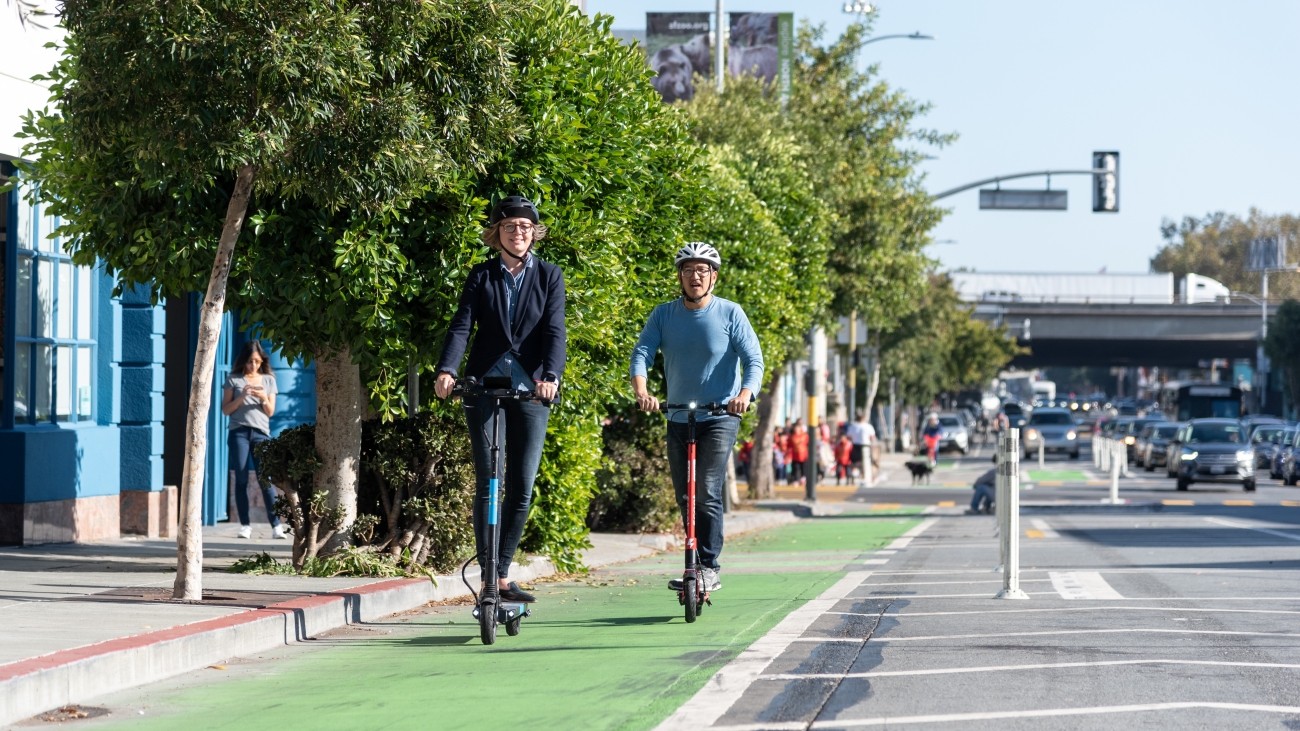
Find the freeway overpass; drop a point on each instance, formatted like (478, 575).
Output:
(1167, 335)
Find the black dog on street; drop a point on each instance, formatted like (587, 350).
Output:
(920, 469)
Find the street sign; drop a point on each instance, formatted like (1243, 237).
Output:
(1022, 200)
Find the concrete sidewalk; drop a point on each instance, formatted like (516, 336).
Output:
(79, 620)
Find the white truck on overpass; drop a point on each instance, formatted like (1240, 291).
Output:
(1137, 289)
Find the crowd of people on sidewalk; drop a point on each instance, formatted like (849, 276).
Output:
(840, 456)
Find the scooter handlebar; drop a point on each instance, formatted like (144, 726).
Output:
(712, 408)
(471, 387)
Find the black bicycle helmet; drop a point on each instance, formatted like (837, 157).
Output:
(514, 206)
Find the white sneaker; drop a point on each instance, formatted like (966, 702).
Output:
(245, 531)
(279, 532)
(710, 578)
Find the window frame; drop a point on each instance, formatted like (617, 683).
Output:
(43, 343)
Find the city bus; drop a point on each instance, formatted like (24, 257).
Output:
(1183, 401)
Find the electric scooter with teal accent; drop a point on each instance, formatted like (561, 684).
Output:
(489, 609)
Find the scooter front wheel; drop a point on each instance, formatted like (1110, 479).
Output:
(487, 623)
(692, 599)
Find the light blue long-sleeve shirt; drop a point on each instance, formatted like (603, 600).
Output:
(704, 352)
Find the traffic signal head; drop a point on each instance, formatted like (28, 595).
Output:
(1105, 185)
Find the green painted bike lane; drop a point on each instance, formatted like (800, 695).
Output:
(607, 651)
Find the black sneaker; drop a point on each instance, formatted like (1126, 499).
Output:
(675, 584)
(512, 593)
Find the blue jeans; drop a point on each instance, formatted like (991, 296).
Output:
(983, 497)
(241, 441)
(524, 424)
(714, 441)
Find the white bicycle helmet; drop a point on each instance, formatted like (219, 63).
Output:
(698, 250)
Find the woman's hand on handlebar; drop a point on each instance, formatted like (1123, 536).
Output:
(443, 384)
(546, 390)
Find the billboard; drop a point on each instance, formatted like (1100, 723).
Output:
(677, 46)
(762, 45)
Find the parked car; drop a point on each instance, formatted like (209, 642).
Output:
(955, 434)
(1054, 429)
(1213, 450)
(1263, 441)
(1282, 448)
(1153, 443)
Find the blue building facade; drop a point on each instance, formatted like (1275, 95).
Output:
(94, 390)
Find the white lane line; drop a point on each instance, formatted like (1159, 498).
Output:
(995, 715)
(875, 561)
(1060, 633)
(982, 594)
(1247, 526)
(1018, 668)
(1082, 585)
(885, 552)
(730, 683)
(984, 580)
(1042, 527)
(1039, 713)
(1218, 610)
(1127, 598)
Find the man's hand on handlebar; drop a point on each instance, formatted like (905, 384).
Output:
(740, 404)
(646, 402)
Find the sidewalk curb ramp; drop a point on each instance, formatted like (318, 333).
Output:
(38, 684)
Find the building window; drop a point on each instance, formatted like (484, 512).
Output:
(52, 350)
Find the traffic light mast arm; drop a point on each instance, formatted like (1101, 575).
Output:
(1000, 178)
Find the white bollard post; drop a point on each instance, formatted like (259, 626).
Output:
(1009, 515)
(1041, 450)
(1114, 474)
(1123, 459)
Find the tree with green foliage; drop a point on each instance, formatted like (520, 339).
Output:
(1217, 245)
(364, 224)
(783, 282)
(940, 347)
(849, 195)
(1282, 345)
(170, 120)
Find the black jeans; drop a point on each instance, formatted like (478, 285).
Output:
(242, 439)
(714, 441)
(524, 425)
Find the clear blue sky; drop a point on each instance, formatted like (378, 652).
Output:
(1197, 96)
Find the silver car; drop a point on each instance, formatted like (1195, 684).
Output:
(1054, 429)
(955, 433)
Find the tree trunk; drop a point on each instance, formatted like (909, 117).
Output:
(873, 388)
(189, 539)
(761, 485)
(338, 439)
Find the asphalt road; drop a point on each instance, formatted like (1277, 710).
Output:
(1147, 615)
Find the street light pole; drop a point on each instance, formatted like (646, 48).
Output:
(718, 65)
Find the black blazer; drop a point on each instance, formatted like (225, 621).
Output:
(538, 337)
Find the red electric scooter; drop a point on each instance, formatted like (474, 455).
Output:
(692, 595)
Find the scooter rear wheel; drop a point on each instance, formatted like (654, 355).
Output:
(692, 599)
(487, 622)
